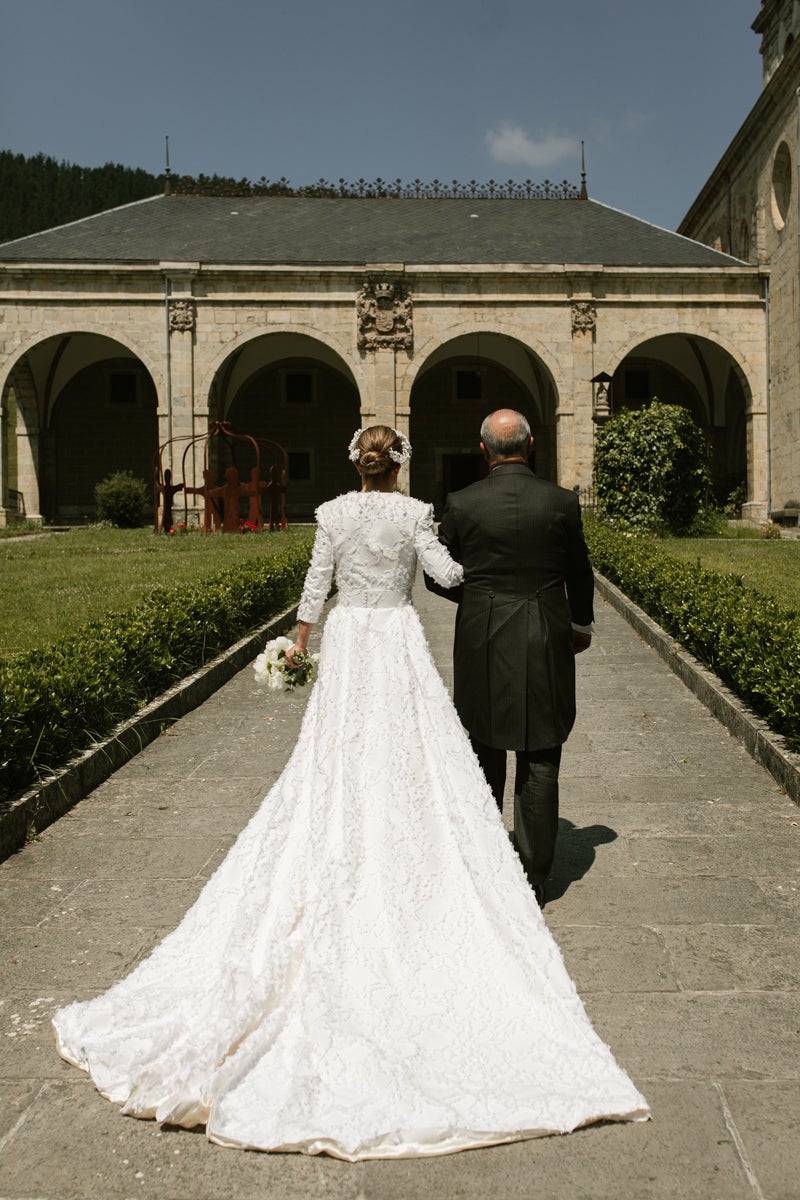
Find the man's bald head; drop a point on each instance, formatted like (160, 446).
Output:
(506, 434)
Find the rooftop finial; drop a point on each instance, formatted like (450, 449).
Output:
(167, 172)
(584, 193)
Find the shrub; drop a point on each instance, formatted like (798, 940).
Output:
(56, 702)
(122, 499)
(651, 469)
(746, 638)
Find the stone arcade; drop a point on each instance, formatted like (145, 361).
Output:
(299, 319)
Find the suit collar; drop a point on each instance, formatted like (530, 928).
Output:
(510, 468)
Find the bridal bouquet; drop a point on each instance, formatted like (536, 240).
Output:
(272, 669)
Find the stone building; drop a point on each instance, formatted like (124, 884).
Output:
(298, 319)
(750, 208)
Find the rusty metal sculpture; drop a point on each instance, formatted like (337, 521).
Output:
(222, 501)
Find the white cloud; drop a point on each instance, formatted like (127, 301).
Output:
(511, 144)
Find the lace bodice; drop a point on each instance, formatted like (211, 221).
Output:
(372, 541)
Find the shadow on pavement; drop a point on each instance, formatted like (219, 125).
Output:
(575, 854)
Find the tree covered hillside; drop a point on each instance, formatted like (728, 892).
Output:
(39, 192)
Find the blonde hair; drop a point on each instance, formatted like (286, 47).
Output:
(375, 446)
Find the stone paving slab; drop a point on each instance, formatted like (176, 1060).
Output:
(675, 898)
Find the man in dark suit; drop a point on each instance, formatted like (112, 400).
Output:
(524, 612)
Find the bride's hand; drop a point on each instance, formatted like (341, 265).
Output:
(290, 653)
(300, 646)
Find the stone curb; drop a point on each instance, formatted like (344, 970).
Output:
(57, 793)
(768, 749)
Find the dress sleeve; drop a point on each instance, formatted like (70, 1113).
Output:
(318, 578)
(435, 559)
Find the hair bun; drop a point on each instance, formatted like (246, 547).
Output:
(375, 462)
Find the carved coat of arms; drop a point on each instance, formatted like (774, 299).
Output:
(584, 316)
(182, 314)
(383, 316)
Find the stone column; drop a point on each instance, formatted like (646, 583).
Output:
(27, 469)
(384, 325)
(574, 429)
(757, 506)
(27, 431)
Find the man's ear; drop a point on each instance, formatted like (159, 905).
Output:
(530, 446)
(486, 453)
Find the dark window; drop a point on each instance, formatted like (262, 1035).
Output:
(298, 387)
(469, 385)
(637, 385)
(300, 465)
(122, 387)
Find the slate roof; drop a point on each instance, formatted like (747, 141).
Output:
(300, 230)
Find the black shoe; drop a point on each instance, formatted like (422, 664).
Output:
(538, 891)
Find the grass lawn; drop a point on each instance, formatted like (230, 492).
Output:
(51, 584)
(771, 566)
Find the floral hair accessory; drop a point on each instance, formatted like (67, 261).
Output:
(353, 452)
(401, 456)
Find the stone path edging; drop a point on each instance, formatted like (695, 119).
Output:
(766, 747)
(54, 795)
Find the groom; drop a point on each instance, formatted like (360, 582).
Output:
(524, 612)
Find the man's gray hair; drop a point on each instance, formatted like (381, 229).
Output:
(513, 440)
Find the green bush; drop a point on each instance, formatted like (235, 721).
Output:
(122, 499)
(57, 702)
(651, 469)
(746, 638)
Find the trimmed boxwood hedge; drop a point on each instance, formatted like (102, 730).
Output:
(57, 702)
(743, 636)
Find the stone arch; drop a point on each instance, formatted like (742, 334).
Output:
(19, 445)
(153, 366)
(82, 380)
(426, 348)
(456, 385)
(703, 376)
(294, 389)
(240, 343)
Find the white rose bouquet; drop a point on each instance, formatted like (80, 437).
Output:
(272, 670)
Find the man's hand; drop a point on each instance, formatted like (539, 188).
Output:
(580, 641)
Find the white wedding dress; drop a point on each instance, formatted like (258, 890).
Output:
(367, 974)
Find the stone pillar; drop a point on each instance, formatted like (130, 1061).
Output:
(28, 442)
(27, 469)
(757, 506)
(181, 336)
(176, 419)
(574, 429)
(384, 323)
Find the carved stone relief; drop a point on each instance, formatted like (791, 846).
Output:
(384, 318)
(584, 316)
(182, 315)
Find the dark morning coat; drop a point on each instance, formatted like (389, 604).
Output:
(527, 578)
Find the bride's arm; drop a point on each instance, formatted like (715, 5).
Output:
(436, 560)
(315, 591)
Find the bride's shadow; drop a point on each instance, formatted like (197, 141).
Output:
(575, 854)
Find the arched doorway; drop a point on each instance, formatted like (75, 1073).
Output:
(458, 385)
(699, 375)
(83, 405)
(298, 392)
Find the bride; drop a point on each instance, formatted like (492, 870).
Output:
(368, 973)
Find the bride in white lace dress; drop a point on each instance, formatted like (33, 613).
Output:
(368, 973)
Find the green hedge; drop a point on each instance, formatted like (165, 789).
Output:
(743, 636)
(57, 702)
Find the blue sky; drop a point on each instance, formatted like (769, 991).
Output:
(447, 89)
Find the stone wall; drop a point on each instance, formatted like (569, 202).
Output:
(214, 342)
(750, 206)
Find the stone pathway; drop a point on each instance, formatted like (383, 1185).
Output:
(675, 899)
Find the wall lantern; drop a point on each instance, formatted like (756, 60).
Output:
(601, 401)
